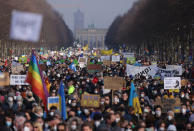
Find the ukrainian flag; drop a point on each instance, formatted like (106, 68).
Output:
(62, 104)
(134, 100)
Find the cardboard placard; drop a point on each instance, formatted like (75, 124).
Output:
(106, 62)
(172, 83)
(94, 68)
(114, 83)
(17, 69)
(184, 82)
(53, 101)
(169, 104)
(4, 79)
(89, 100)
(18, 80)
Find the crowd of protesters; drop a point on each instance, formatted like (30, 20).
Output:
(22, 110)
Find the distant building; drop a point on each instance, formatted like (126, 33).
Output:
(78, 20)
(94, 37)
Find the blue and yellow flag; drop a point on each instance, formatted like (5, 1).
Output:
(62, 104)
(134, 100)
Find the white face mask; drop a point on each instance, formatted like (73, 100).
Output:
(117, 120)
(169, 118)
(97, 123)
(142, 95)
(73, 127)
(161, 129)
(116, 100)
(73, 104)
(184, 111)
(26, 128)
(51, 113)
(158, 113)
(10, 99)
(146, 110)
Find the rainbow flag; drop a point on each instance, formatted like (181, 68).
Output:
(36, 80)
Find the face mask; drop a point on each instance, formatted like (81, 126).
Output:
(86, 111)
(146, 110)
(128, 130)
(169, 118)
(26, 128)
(102, 103)
(155, 92)
(8, 123)
(40, 114)
(158, 113)
(161, 128)
(87, 80)
(14, 97)
(55, 128)
(97, 123)
(73, 104)
(142, 95)
(117, 120)
(182, 95)
(184, 111)
(79, 112)
(73, 127)
(10, 99)
(116, 100)
(51, 113)
(19, 103)
(96, 92)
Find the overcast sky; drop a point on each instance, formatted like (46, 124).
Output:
(99, 12)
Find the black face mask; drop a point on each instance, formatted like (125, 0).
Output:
(113, 123)
(29, 96)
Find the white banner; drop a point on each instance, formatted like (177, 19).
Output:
(175, 67)
(18, 80)
(128, 55)
(116, 58)
(172, 83)
(26, 26)
(164, 72)
(107, 57)
(137, 71)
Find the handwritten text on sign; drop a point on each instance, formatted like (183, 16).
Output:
(18, 80)
(89, 100)
(114, 83)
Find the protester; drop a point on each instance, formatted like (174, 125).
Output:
(21, 109)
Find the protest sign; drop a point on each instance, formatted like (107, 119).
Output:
(89, 100)
(94, 68)
(25, 26)
(137, 71)
(162, 73)
(4, 78)
(107, 57)
(115, 58)
(184, 82)
(23, 59)
(18, 80)
(172, 83)
(114, 83)
(169, 104)
(106, 62)
(53, 101)
(175, 67)
(17, 69)
(128, 55)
